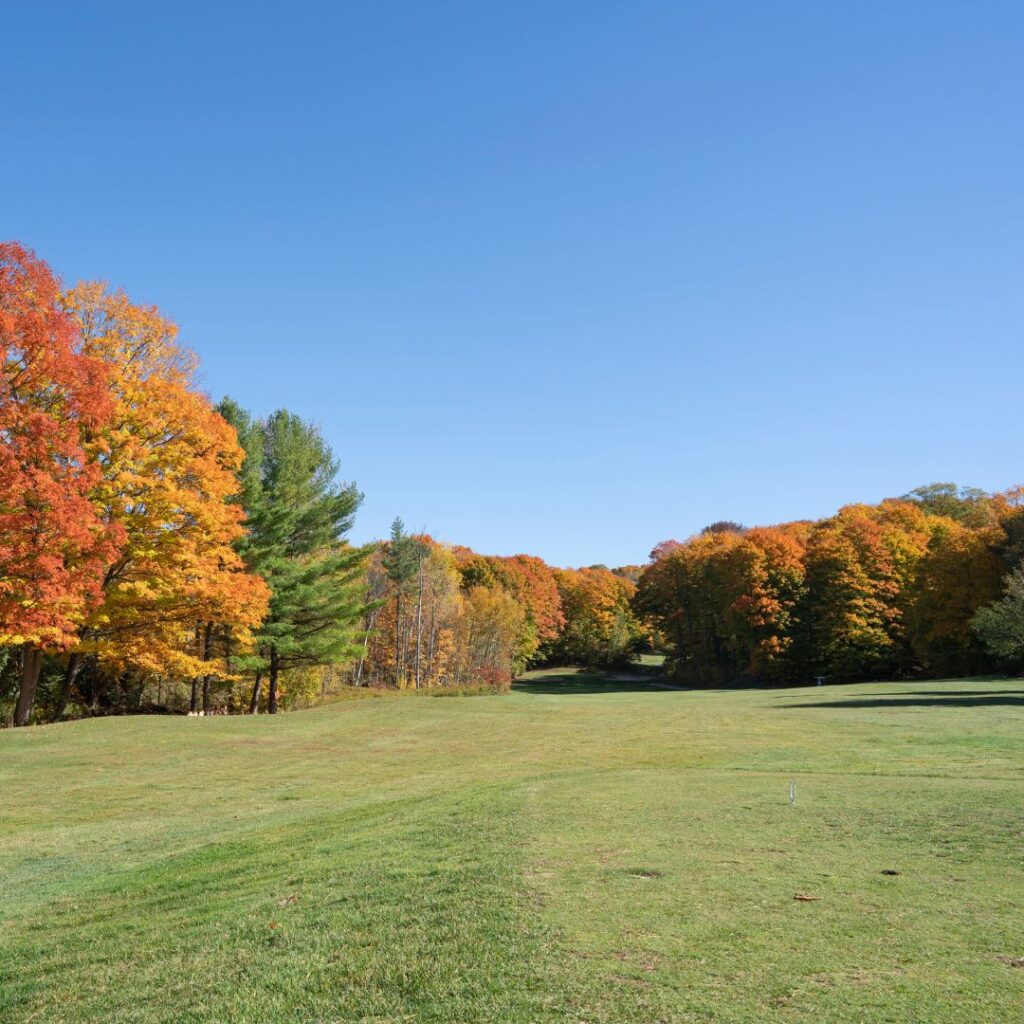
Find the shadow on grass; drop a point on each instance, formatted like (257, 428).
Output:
(949, 693)
(924, 699)
(570, 682)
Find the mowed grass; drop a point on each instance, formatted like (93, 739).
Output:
(586, 849)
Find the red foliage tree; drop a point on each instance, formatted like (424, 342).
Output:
(53, 544)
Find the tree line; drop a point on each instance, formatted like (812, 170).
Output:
(929, 584)
(161, 553)
(446, 616)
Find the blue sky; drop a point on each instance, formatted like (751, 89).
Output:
(562, 278)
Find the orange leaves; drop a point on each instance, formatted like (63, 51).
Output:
(872, 591)
(959, 573)
(469, 622)
(169, 464)
(533, 583)
(54, 546)
(600, 628)
(859, 564)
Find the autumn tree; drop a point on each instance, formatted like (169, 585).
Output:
(860, 564)
(533, 585)
(690, 592)
(488, 630)
(177, 600)
(1008, 510)
(600, 628)
(54, 541)
(960, 572)
(770, 601)
(451, 617)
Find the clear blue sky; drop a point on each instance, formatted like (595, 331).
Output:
(562, 278)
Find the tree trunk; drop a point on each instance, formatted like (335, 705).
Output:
(207, 632)
(398, 638)
(419, 623)
(74, 666)
(31, 665)
(193, 701)
(254, 700)
(272, 694)
(408, 629)
(366, 646)
(432, 642)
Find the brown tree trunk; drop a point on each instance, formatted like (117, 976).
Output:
(254, 700)
(207, 633)
(275, 667)
(193, 700)
(31, 665)
(74, 666)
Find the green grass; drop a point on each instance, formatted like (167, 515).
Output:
(586, 849)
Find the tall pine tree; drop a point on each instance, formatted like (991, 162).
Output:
(298, 516)
(402, 561)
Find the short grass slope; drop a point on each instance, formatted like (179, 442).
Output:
(587, 849)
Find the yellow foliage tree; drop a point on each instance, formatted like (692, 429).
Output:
(178, 601)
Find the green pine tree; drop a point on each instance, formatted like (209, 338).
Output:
(298, 517)
(402, 560)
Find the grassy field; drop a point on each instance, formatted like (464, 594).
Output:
(585, 849)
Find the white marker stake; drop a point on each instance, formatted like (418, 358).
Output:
(792, 792)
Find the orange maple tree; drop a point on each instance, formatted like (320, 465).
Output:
(177, 599)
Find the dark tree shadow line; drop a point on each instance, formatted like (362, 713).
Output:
(577, 683)
(637, 679)
(923, 699)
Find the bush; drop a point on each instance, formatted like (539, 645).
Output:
(467, 690)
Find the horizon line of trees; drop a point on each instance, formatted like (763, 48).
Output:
(160, 553)
(928, 585)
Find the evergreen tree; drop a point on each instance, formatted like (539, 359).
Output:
(1000, 625)
(402, 561)
(298, 516)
